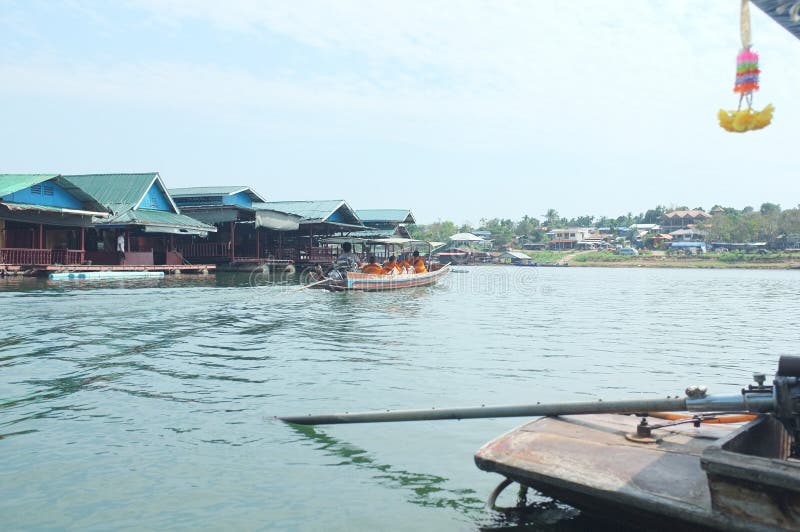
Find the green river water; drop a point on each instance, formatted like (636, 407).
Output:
(148, 404)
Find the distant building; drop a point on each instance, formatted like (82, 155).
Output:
(647, 228)
(672, 221)
(514, 257)
(568, 237)
(690, 234)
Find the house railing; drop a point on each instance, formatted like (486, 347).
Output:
(66, 256)
(40, 257)
(25, 256)
(206, 249)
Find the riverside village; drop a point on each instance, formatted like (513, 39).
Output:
(53, 224)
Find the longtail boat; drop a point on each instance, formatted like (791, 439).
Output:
(345, 281)
(727, 462)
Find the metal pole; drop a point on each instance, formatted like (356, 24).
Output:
(233, 243)
(761, 402)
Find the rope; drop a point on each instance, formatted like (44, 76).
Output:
(744, 25)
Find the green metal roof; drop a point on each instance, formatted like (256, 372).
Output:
(188, 192)
(14, 182)
(118, 192)
(322, 211)
(399, 216)
(150, 217)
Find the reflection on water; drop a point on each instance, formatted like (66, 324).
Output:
(141, 403)
(425, 489)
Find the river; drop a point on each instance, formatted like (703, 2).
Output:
(148, 404)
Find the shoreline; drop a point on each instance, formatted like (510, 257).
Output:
(708, 264)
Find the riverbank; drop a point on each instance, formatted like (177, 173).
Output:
(605, 259)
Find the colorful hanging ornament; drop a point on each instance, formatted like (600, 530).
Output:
(747, 73)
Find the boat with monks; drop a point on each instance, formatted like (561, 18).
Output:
(339, 280)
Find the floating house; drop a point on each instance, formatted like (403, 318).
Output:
(386, 223)
(141, 212)
(514, 257)
(247, 231)
(316, 220)
(44, 220)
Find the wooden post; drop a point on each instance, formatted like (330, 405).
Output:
(233, 242)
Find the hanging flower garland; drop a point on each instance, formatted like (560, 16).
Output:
(747, 73)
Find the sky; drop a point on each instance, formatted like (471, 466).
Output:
(458, 110)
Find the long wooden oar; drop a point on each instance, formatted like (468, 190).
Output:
(314, 284)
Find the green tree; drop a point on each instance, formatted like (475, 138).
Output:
(502, 230)
(653, 216)
(769, 208)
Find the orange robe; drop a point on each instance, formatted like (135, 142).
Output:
(389, 266)
(372, 268)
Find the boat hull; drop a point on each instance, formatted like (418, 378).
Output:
(371, 282)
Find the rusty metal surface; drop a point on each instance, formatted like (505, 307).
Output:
(750, 477)
(589, 456)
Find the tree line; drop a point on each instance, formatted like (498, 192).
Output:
(767, 224)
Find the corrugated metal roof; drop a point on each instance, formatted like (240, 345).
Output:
(315, 211)
(149, 217)
(118, 192)
(386, 215)
(782, 12)
(515, 255)
(188, 192)
(14, 182)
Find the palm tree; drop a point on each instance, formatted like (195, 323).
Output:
(552, 217)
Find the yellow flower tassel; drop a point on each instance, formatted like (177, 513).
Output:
(739, 121)
(747, 74)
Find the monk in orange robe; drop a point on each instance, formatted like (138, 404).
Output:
(418, 262)
(372, 267)
(390, 266)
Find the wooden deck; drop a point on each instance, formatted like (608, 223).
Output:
(166, 268)
(587, 461)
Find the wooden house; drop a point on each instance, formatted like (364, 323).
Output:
(44, 220)
(141, 212)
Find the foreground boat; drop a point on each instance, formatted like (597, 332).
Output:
(725, 476)
(372, 282)
(683, 472)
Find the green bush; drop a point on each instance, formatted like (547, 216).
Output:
(603, 256)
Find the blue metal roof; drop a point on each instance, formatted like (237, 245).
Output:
(188, 192)
(398, 216)
(324, 211)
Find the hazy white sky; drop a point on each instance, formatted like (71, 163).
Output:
(456, 109)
